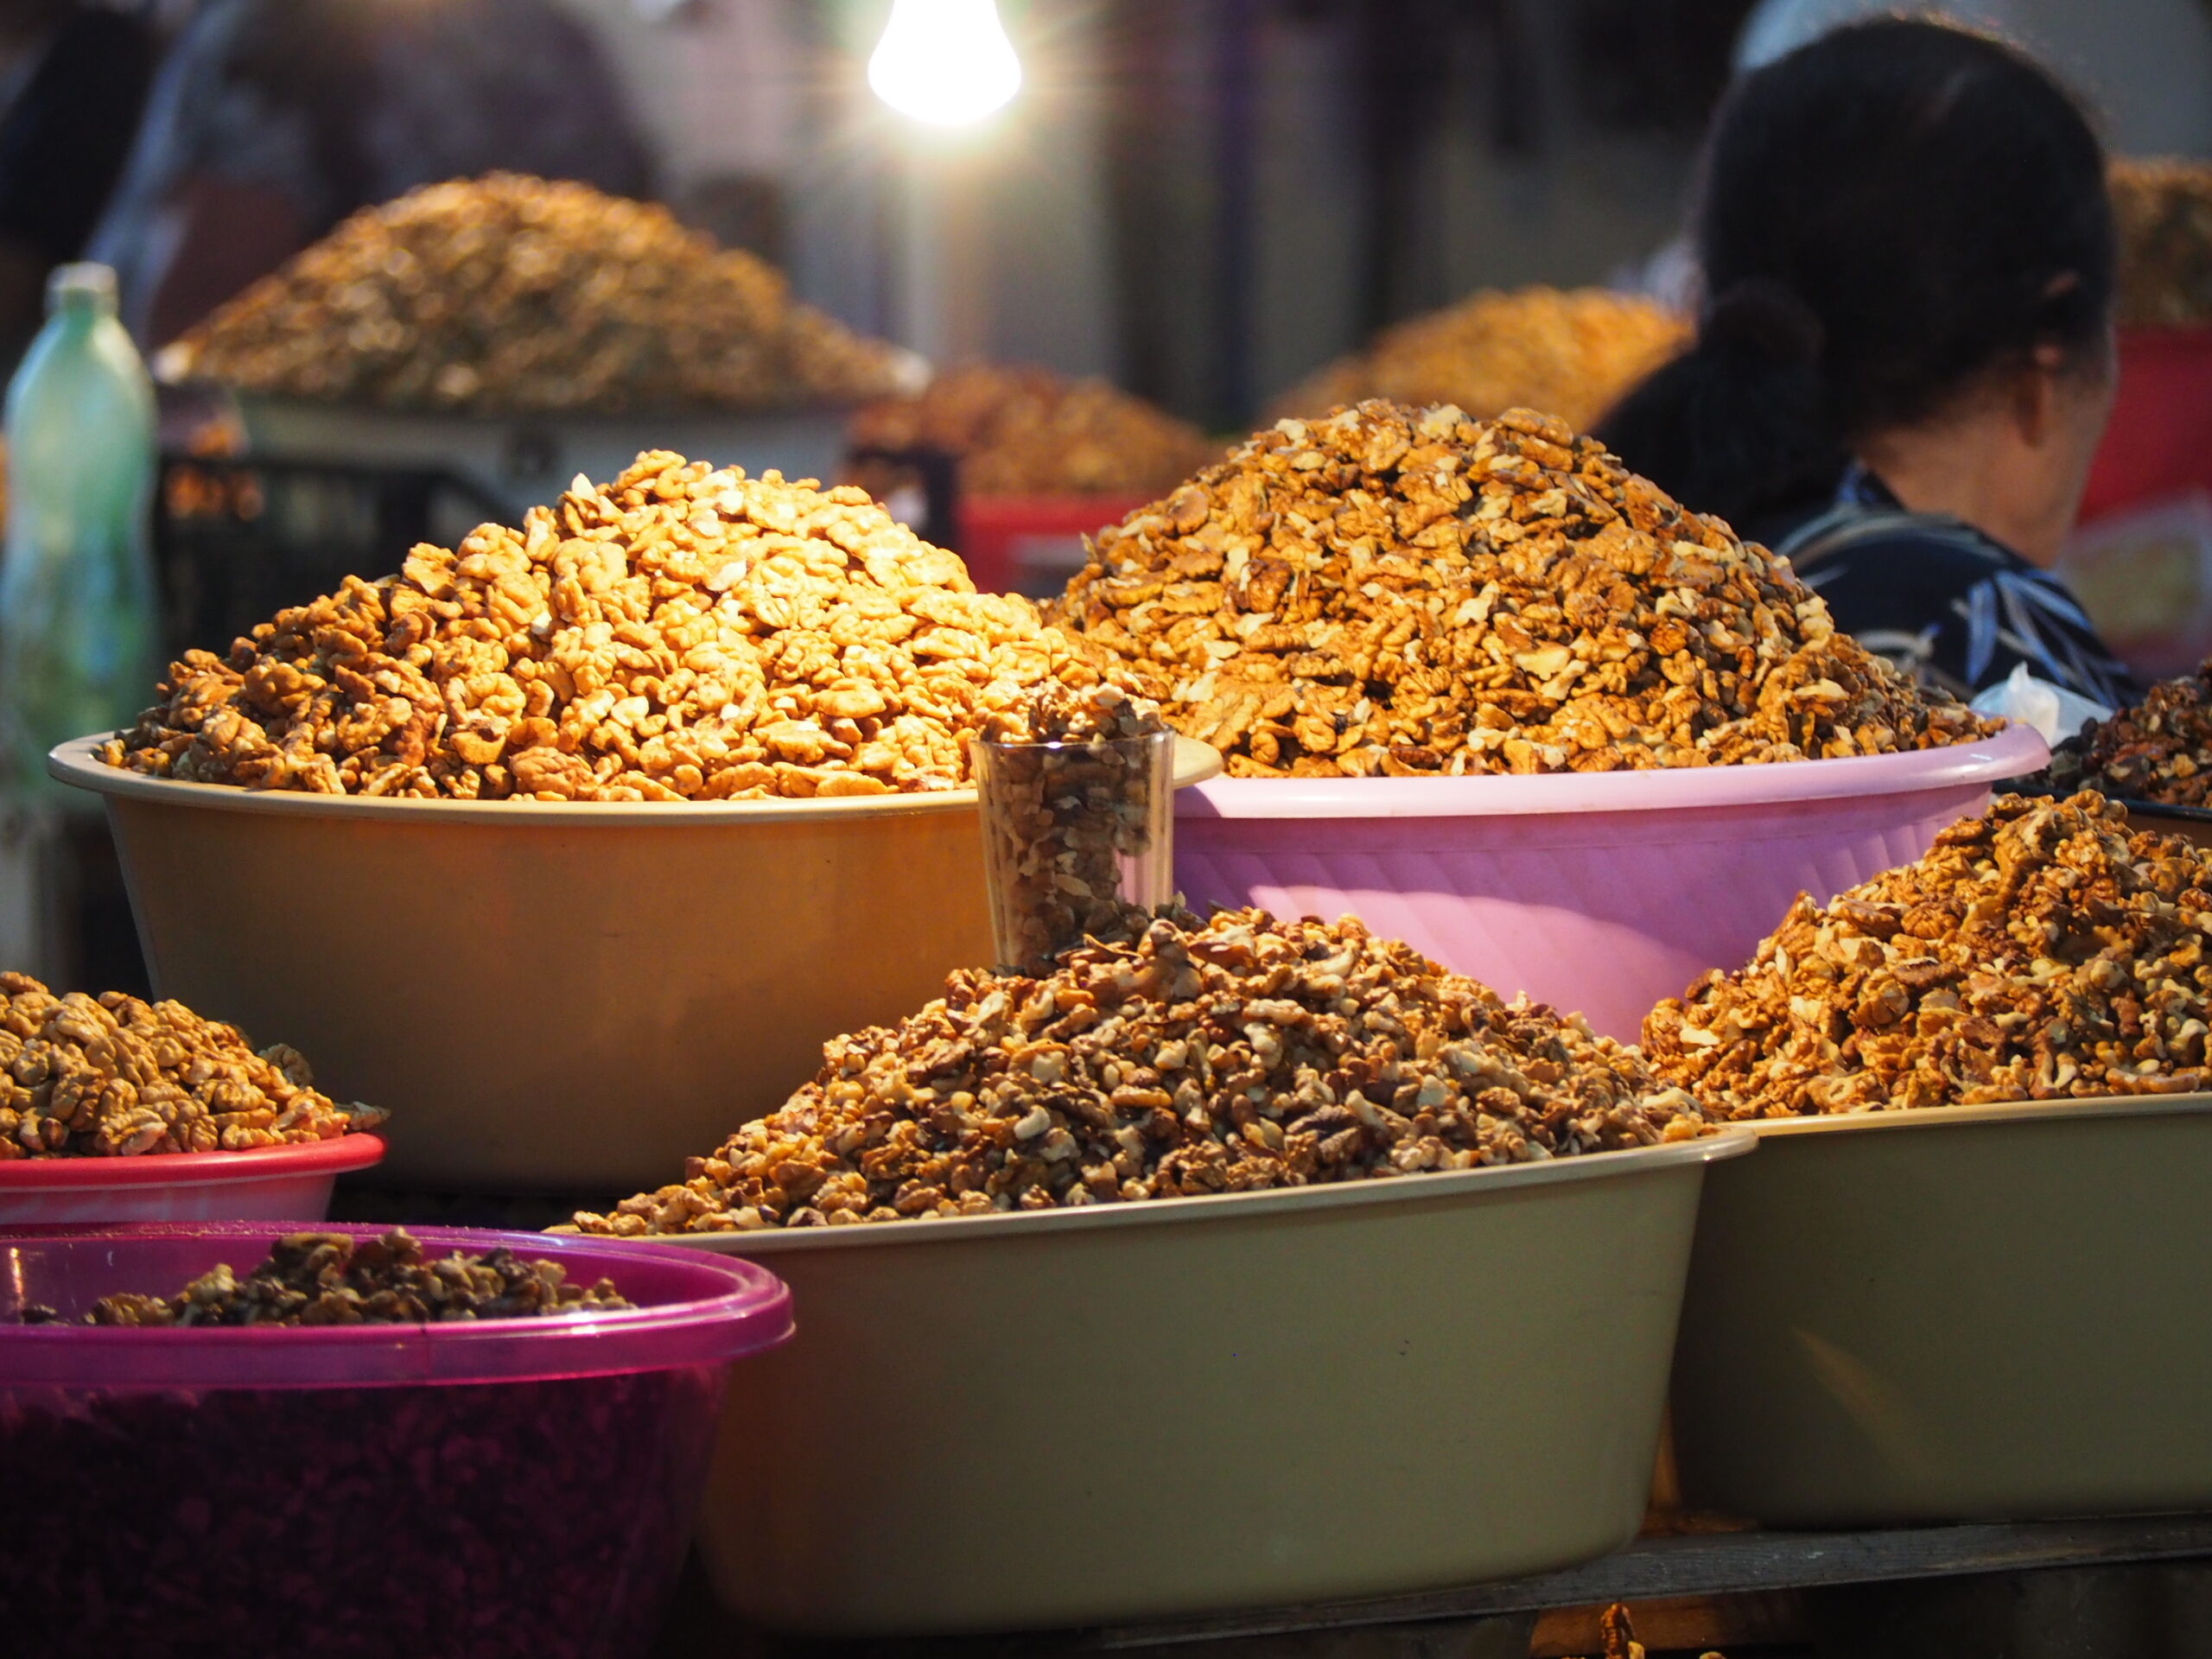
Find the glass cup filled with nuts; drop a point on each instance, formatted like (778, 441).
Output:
(1079, 823)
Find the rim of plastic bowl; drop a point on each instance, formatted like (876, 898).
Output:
(2009, 753)
(74, 764)
(335, 1156)
(2196, 1104)
(703, 1310)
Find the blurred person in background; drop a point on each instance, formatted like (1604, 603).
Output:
(73, 83)
(271, 120)
(1905, 354)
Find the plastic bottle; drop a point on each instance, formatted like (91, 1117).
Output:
(78, 601)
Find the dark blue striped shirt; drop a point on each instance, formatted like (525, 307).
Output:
(1948, 604)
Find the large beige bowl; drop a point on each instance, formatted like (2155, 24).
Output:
(1189, 1405)
(549, 996)
(1965, 1313)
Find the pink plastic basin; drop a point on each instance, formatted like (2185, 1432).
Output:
(288, 1183)
(1604, 891)
(509, 1487)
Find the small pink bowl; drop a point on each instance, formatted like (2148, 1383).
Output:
(287, 1182)
(1599, 892)
(526, 1487)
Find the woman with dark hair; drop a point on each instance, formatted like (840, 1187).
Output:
(1904, 360)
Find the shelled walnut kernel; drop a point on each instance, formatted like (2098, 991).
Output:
(2037, 952)
(677, 634)
(1574, 352)
(113, 1077)
(1190, 1056)
(1398, 591)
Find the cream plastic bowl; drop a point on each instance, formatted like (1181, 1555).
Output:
(1953, 1314)
(1602, 892)
(1188, 1405)
(549, 996)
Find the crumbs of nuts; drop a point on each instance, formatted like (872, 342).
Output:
(2160, 750)
(677, 634)
(1574, 353)
(1025, 431)
(112, 1077)
(1397, 592)
(2038, 952)
(508, 294)
(1225, 1055)
(1069, 807)
(334, 1279)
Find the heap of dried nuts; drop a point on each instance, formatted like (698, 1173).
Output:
(2037, 952)
(1573, 352)
(112, 1077)
(1398, 591)
(678, 634)
(334, 1279)
(1069, 809)
(1022, 431)
(2164, 213)
(1190, 1057)
(508, 295)
(2160, 750)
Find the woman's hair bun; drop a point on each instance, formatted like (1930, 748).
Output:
(1766, 318)
(1882, 216)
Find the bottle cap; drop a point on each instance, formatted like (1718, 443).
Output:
(86, 279)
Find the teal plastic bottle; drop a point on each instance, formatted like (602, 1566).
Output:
(78, 602)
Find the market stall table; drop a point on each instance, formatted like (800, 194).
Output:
(1479, 1620)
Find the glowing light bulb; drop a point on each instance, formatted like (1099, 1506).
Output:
(947, 62)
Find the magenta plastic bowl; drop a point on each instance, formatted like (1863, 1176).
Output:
(509, 1487)
(288, 1183)
(1604, 891)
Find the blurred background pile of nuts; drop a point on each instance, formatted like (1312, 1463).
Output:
(1570, 351)
(1018, 431)
(2165, 210)
(508, 295)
